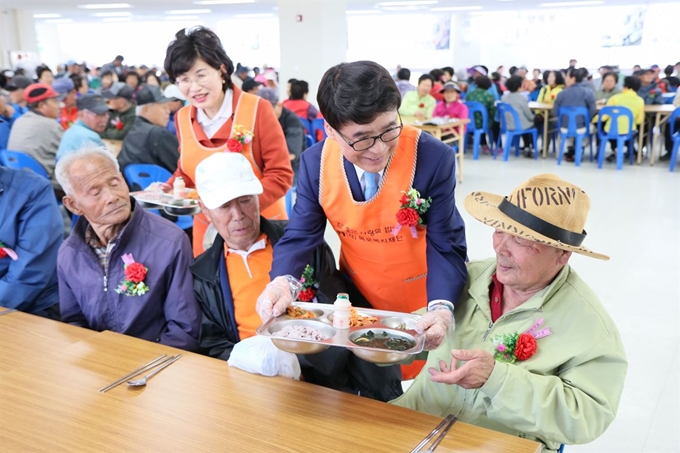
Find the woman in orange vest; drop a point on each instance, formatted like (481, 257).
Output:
(388, 191)
(222, 118)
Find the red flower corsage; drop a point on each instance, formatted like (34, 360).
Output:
(409, 214)
(135, 273)
(421, 106)
(240, 137)
(512, 347)
(118, 124)
(6, 251)
(309, 285)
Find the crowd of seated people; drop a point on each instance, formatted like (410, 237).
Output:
(206, 302)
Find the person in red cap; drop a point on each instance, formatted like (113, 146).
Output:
(36, 132)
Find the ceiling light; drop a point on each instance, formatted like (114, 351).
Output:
(117, 19)
(181, 18)
(409, 3)
(222, 2)
(559, 5)
(59, 21)
(113, 14)
(188, 11)
(46, 16)
(506, 0)
(362, 11)
(457, 8)
(252, 16)
(105, 6)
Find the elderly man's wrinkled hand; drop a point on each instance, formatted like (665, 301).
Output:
(275, 298)
(472, 375)
(436, 325)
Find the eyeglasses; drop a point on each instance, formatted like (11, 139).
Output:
(202, 79)
(366, 143)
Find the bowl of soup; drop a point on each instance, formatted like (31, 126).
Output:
(383, 346)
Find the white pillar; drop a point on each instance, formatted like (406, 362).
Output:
(313, 39)
(17, 32)
(466, 43)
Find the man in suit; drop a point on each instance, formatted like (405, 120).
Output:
(402, 250)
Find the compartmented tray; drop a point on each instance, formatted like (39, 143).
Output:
(171, 205)
(390, 327)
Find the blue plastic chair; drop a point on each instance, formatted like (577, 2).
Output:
(309, 140)
(614, 113)
(572, 114)
(513, 135)
(473, 109)
(675, 136)
(561, 450)
(289, 200)
(4, 133)
(19, 160)
(307, 124)
(142, 175)
(317, 125)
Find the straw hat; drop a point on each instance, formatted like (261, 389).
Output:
(544, 209)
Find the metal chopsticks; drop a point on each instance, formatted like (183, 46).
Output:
(133, 373)
(444, 427)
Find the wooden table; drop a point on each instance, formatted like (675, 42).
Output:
(113, 145)
(455, 128)
(545, 110)
(200, 404)
(661, 114)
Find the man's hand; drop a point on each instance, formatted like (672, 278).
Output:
(436, 325)
(477, 369)
(275, 298)
(419, 115)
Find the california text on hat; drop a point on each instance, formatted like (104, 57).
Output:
(545, 209)
(118, 90)
(39, 92)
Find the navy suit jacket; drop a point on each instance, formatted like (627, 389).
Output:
(435, 178)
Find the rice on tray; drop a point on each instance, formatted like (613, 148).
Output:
(301, 333)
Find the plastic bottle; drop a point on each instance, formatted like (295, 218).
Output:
(341, 313)
(178, 188)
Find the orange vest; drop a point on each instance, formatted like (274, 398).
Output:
(390, 271)
(192, 153)
(247, 286)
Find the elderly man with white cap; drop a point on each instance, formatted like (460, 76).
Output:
(535, 355)
(230, 275)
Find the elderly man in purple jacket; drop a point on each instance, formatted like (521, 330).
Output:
(122, 268)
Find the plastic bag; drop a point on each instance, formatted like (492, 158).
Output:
(258, 355)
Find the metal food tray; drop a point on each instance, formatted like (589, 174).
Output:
(387, 322)
(173, 206)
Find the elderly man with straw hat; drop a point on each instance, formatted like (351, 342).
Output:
(534, 354)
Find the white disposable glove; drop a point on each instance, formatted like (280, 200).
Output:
(277, 296)
(436, 325)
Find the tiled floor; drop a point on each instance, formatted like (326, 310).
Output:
(634, 218)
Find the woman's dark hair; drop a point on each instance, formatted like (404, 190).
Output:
(356, 92)
(426, 77)
(40, 69)
(545, 76)
(152, 74)
(496, 77)
(483, 82)
(512, 70)
(194, 43)
(437, 74)
(577, 74)
(632, 82)
(448, 70)
(77, 80)
(132, 74)
(291, 81)
(514, 83)
(298, 89)
(404, 74)
(668, 70)
(559, 78)
(614, 75)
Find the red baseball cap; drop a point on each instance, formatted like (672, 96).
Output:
(39, 92)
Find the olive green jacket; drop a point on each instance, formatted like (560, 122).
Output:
(126, 119)
(568, 392)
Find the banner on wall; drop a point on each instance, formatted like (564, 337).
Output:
(627, 30)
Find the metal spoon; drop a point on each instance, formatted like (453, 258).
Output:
(142, 382)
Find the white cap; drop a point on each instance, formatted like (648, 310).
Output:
(223, 177)
(171, 91)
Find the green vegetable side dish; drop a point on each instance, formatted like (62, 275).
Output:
(384, 341)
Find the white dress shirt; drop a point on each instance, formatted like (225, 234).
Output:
(212, 125)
